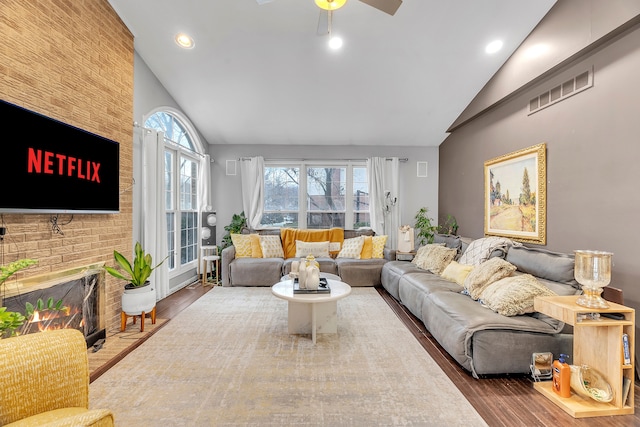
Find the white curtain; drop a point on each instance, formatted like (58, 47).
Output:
(204, 184)
(252, 175)
(384, 188)
(154, 229)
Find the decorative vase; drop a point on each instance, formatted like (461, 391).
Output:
(302, 277)
(313, 278)
(310, 261)
(138, 299)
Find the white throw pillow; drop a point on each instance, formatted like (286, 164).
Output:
(271, 247)
(317, 249)
(351, 248)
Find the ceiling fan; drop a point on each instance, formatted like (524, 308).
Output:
(387, 6)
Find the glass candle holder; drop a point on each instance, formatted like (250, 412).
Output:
(593, 271)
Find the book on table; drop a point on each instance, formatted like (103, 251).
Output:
(323, 288)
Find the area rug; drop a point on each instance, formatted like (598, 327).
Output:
(228, 360)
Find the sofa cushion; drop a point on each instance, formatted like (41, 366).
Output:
(351, 248)
(554, 266)
(436, 258)
(514, 295)
(255, 271)
(271, 247)
(456, 272)
(486, 273)
(449, 240)
(317, 249)
(481, 249)
(360, 272)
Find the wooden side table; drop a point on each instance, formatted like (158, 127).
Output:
(598, 344)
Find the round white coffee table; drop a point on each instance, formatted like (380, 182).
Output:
(312, 313)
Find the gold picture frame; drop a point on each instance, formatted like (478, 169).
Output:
(515, 195)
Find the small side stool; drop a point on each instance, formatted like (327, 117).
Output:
(210, 255)
(124, 316)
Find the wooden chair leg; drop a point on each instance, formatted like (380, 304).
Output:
(123, 321)
(141, 321)
(153, 316)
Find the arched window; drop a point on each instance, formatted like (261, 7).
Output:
(183, 155)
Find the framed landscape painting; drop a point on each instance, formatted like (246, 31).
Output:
(515, 195)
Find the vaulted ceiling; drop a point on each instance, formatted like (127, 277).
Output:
(261, 73)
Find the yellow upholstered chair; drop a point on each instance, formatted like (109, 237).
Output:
(44, 381)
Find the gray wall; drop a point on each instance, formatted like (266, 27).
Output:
(592, 159)
(414, 192)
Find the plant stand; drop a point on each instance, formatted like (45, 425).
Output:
(124, 316)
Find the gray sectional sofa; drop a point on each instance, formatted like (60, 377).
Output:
(267, 271)
(481, 340)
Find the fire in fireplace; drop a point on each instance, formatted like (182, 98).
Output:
(69, 299)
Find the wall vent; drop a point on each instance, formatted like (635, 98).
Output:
(577, 84)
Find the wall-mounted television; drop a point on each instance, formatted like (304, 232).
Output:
(48, 166)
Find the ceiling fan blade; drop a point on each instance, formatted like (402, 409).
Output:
(387, 6)
(323, 23)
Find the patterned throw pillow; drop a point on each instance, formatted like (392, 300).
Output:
(480, 249)
(422, 252)
(317, 249)
(456, 272)
(378, 246)
(242, 243)
(514, 295)
(436, 258)
(271, 247)
(256, 249)
(351, 248)
(486, 273)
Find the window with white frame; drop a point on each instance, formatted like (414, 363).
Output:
(316, 195)
(181, 195)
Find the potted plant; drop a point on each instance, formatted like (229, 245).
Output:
(139, 295)
(237, 222)
(426, 230)
(449, 226)
(11, 320)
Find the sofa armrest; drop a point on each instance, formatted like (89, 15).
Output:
(389, 254)
(228, 255)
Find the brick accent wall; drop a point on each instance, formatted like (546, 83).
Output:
(72, 61)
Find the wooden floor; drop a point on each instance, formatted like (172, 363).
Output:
(501, 401)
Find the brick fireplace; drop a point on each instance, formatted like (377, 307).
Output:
(72, 298)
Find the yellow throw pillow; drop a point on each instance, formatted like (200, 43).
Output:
(367, 248)
(378, 246)
(242, 243)
(351, 248)
(456, 272)
(271, 247)
(256, 250)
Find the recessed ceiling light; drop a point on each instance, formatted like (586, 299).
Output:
(335, 43)
(494, 46)
(184, 41)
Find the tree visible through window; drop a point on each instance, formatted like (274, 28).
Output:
(335, 196)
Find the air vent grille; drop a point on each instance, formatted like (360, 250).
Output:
(577, 84)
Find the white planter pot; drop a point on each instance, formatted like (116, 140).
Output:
(137, 300)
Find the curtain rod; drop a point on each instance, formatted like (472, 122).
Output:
(405, 159)
(171, 141)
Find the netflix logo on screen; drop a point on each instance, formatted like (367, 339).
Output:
(63, 165)
(56, 167)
